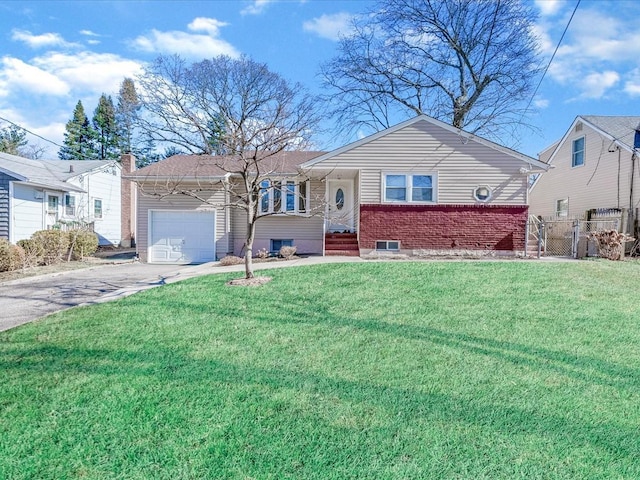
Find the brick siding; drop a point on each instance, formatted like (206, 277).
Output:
(444, 227)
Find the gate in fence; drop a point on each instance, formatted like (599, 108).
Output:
(565, 238)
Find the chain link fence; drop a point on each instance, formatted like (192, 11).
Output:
(570, 238)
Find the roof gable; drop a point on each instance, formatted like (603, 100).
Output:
(465, 137)
(49, 173)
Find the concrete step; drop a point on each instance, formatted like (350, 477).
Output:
(341, 246)
(342, 253)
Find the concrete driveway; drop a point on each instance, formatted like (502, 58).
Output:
(24, 300)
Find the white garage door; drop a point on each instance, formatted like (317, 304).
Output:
(181, 236)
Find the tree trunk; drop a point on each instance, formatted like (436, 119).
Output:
(251, 233)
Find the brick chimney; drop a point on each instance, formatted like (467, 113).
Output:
(128, 202)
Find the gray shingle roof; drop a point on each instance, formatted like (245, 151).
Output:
(48, 173)
(621, 128)
(207, 166)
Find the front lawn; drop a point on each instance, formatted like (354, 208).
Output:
(466, 370)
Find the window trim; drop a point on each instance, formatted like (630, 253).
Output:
(483, 200)
(574, 152)
(56, 209)
(277, 192)
(559, 212)
(284, 242)
(95, 215)
(387, 247)
(409, 187)
(69, 206)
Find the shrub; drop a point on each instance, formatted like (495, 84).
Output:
(263, 253)
(33, 252)
(54, 243)
(82, 243)
(287, 252)
(11, 256)
(610, 243)
(231, 260)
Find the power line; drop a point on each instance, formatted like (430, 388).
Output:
(30, 132)
(552, 57)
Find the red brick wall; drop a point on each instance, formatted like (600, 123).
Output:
(127, 214)
(444, 227)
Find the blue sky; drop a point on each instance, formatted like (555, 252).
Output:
(54, 53)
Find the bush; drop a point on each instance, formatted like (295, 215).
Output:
(33, 252)
(54, 243)
(610, 243)
(263, 253)
(11, 256)
(231, 260)
(82, 243)
(287, 252)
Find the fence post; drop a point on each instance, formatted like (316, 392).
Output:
(540, 231)
(576, 238)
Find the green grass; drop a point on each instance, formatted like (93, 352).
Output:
(466, 370)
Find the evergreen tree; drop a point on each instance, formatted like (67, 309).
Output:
(79, 138)
(12, 139)
(104, 123)
(126, 114)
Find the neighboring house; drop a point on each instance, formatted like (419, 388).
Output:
(419, 186)
(594, 168)
(44, 194)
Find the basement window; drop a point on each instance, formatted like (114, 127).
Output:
(388, 245)
(277, 244)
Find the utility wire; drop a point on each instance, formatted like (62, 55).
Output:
(30, 132)
(552, 57)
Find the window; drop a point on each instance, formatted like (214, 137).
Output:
(277, 244)
(562, 207)
(577, 155)
(416, 188)
(52, 204)
(284, 196)
(390, 245)
(97, 208)
(482, 193)
(69, 205)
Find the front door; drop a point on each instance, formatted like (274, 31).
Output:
(340, 206)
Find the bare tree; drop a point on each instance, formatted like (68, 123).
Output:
(470, 63)
(237, 110)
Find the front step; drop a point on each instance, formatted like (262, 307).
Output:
(341, 244)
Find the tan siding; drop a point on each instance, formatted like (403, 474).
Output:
(181, 202)
(422, 147)
(593, 185)
(305, 231)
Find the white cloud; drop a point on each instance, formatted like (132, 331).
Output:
(193, 45)
(89, 33)
(596, 52)
(40, 41)
(330, 26)
(595, 85)
(16, 75)
(632, 85)
(548, 7)
(88, 71)
(256, 7)
(541, 103)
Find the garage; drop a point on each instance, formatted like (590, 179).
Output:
(181, 236)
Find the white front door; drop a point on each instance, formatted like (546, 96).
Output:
(340, 205)
(52, 207)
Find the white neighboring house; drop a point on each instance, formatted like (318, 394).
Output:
(39, 194)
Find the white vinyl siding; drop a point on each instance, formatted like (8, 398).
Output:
(461, 165)
(595, 185)
(27, 211)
